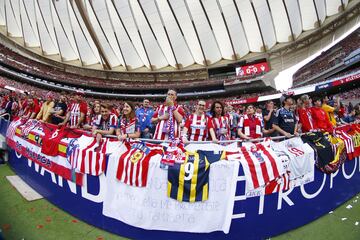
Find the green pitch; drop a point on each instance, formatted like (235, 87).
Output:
(20, 219)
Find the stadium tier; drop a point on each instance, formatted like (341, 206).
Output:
(342, 57)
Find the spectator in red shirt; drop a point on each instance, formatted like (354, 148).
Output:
(76, 112)
(198, 126)
(250, 126)
(320, 117)
(304, 113)
(221, 122)
(31, 109)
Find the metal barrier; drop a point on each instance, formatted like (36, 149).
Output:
(206, 142)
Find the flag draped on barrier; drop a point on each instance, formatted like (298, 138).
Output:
(142, 194)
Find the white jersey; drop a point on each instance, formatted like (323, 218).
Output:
(301, 155)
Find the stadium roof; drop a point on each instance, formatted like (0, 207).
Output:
(161, 34)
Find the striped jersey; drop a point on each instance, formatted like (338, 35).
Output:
(129, 126)
(342, 133)
(221, 127)
(198, 127)
(103, 124)
(134, 163)
(88, 157)
(189, 182)
(30, 125)
(174, 153)
(260, 165)
(75, 110)
(162, 127)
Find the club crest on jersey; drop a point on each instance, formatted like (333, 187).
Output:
(70, 149)
(191, 158)
(137, 156)
(258, 157)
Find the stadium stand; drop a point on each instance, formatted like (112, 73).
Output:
(333, 57)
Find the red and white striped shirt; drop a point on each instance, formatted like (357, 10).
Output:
(260, 165)
(280, 184)
(134, 163)
(162, 128)
(75, 110)
(222, 124)
(90, 157)
(198, 127)
(129, 126)
(103, 124)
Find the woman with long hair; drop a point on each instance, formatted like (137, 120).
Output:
(220, 121)
(92, 115)
(129, 126)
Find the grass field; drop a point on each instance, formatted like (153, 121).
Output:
(40, 220)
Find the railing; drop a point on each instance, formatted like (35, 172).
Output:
(205, 142)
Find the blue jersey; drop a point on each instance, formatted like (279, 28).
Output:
(144, 115)
(189, 182)
(285, 119)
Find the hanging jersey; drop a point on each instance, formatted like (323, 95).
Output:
(27, 127)
(339, 155)
(354, 132)
(341, 133)
(281, 184)
(134, 163)
(90, 157)
(53, 136)
(162, 127)
(11, 130)
(174, 153)
(198, 127)
(189, 182)
(301, 156)
(75, 112)
(321, 146)
(260, 164)
(221, 127)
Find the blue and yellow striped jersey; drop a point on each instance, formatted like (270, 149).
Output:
(189, 182)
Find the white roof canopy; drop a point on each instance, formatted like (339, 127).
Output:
(131, 34)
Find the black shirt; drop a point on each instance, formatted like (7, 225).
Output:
(59, 106)
(268, 124)
(285, 119)
(322, 147)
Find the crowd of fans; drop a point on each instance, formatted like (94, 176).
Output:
(317, 81)
(328, 59)
(195, 121)
(41, 93)
(124, 80)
